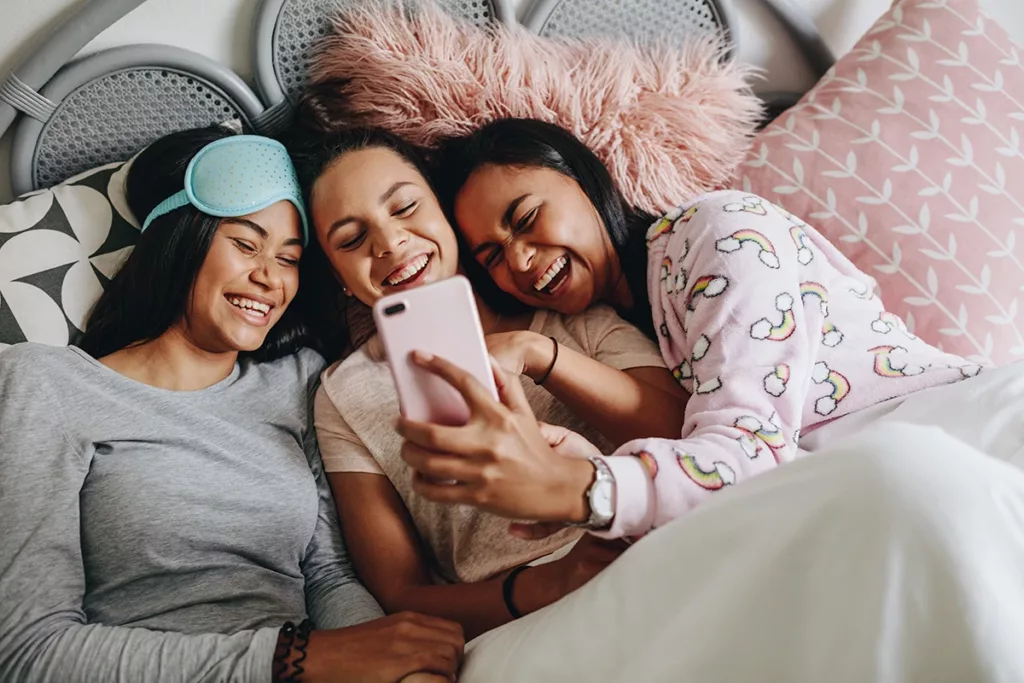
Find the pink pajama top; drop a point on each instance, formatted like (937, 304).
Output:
(772, 331)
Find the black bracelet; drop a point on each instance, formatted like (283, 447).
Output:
(282, 652)
(284, 669)
(506, 589)
(554, 359)
(301, 642)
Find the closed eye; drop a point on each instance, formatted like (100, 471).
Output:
(526, 221)
(244, 246)
(289, 261)
(493, 258)
(406, 210)
(354, 242)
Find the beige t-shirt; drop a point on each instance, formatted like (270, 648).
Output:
(355, 411)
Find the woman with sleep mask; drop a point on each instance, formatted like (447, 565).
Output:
(378, 230)
(163, 506)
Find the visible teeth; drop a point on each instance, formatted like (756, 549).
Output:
(549, 274)
(251, 305)
(410, 270)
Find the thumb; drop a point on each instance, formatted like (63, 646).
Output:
(510, 389)
(553, 434)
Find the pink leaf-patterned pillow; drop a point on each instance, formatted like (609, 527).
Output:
(908, 155)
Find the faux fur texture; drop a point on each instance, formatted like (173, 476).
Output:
(670, 122)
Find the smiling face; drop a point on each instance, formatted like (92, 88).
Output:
(539, 236)
(248, 278)
(380, 225)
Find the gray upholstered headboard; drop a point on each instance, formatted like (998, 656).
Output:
(74, 116)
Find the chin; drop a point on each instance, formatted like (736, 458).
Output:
(568, 303)
(244, 343)
(570, 308)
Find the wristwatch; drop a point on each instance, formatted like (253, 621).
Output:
(600, 498)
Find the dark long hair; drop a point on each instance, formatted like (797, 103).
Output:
(338, 322)
(531, 143)
(150, 292)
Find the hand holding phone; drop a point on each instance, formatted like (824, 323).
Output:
(440, 319)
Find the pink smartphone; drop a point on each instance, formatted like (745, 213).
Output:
(441, 319)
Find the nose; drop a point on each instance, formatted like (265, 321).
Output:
(269, 274)
(387, 240)
(519, 255)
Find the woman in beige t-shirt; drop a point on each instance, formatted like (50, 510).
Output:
(380, 226)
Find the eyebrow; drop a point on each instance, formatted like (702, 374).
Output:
(259, 229)
(383, 198)
(506, 220)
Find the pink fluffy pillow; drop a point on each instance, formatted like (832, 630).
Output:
(669, 122)
(909, 157)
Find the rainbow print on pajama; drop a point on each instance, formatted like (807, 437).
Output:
(749, 204)
(765, 249)
(707, 387)
(666, 274)
(683, 373)
(749, 445)
(649, 462)
(861, 291)
(969, 370)
(718, 476)
(830, 335)
(804, 255)
(839, 385)
(775, 381)
(891, 361)
(765, 329)
(667, 223)
(889, 322)
(816, 290)
(708, 286)
(770, 434)
(662, 227)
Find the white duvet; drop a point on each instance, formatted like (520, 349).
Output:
(893, 553)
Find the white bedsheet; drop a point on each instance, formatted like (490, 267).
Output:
(892, 555)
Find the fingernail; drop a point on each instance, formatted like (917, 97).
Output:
(422, 356)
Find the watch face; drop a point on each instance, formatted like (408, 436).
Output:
(601, 500)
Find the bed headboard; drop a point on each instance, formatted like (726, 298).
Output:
(636, 19)
(74, 116)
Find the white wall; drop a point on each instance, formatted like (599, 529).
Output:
(221, 29)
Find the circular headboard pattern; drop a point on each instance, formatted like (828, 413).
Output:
(112, 104)
(639, 20)
(287, 30)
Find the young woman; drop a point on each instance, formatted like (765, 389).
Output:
(165, 513)
(774, 332)
(381, 230)
(892, 555)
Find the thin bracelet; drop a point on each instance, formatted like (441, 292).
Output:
(554, 359)
(506, 589)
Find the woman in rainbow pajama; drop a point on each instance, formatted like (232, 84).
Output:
(894, 554)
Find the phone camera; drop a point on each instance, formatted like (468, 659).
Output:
(395, 309)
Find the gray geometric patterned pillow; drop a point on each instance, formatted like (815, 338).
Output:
(58, 250)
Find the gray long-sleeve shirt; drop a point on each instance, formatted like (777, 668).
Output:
(153, 535)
